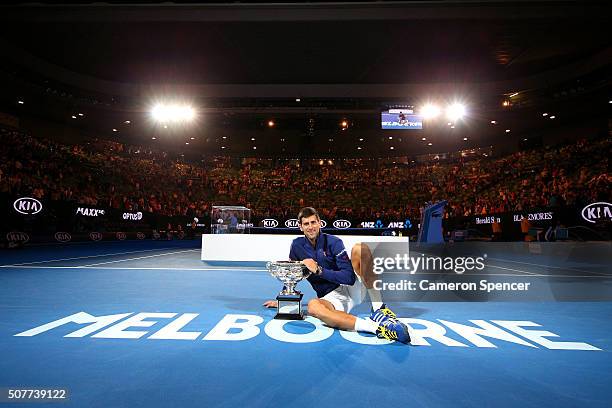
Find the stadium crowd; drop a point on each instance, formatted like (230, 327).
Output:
(111, 174)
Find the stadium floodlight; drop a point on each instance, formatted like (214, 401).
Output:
(430, 111)
(165, 113)
(455, 111)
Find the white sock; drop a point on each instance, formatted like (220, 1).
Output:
(375, 298)
(365, 325)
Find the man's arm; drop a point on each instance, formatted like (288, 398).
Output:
(292, 256)
(344, 275)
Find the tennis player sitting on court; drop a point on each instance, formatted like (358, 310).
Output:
(338, 288)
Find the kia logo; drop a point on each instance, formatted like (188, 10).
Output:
(292, 223)
(62, 236)
(17, 237)
(140, 235)
(596, 211)
(342, 224)
(95, 236)
(269, 223)
(323, 223)
(120, 236)
(27, 206)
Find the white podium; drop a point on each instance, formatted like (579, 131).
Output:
(268, 247)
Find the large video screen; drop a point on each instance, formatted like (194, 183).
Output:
(401, 119)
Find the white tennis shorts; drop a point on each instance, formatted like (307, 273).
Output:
(346, 297)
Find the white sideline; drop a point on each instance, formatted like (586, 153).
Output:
(139, 257)
(85, 257)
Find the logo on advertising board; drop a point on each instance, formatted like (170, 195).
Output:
(27, 205)
(63, 236)
(540, 216)
(89, 212)
(269, 223)
(292, 223)
(140, 235)
(323, 223)
(597, 211)
(95, 236)
(487, 220)
(342, 224)
(17, 236)
(120, 236)
(133, 216)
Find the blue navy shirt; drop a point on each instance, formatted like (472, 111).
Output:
(330, 254)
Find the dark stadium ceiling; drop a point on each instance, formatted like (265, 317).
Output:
(341, 59)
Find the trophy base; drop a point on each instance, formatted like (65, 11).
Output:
(290, 307)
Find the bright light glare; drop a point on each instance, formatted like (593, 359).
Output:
(173, 113)
(430, 111)
(455, 111)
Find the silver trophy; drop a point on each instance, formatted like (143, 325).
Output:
(289, 300)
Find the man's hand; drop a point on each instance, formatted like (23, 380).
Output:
(270, 304)
(311, 264)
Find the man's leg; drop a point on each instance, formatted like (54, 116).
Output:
(363, 264)
(325, 311)
(390, 329)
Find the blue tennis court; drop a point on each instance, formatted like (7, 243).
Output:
(149, 324)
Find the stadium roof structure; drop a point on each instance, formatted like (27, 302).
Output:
(307, 65)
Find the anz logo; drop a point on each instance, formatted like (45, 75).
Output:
(292, 223)
(27, 206)
(269, 223)
(342, 224)
(372, 224)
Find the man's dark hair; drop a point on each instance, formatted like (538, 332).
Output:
(307, 212)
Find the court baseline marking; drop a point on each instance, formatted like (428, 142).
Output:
(88, 256)
(548, 266)
(139, 257)
(265, 270)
